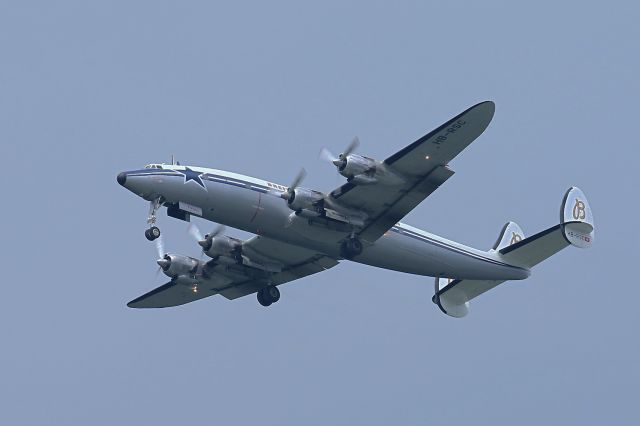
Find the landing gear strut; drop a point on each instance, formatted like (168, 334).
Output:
(350, 248)
(268, 295)
(153, 232)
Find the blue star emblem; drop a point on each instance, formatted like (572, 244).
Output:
(192, 175)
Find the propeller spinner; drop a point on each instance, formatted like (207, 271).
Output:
(207, 241)
(341, 160)
(290, 194)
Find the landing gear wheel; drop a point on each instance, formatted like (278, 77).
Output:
(272, 293)
(351, 248)
(152, 233)
(268, 295)
(261, 299)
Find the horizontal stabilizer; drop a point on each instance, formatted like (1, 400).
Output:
(576, 228)
(533, 250)
(453, 299)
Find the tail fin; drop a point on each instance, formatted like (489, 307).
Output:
(577, 218)
(511, 233)
(575, 228)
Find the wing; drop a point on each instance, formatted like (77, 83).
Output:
(423, 164)
(272, 262)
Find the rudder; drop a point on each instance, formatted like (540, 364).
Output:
(577, 218)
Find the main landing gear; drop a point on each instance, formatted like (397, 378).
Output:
(268, 295)
(350, 248)
(153, 232)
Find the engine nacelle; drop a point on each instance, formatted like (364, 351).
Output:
(221, 246)
(305, 199)
(356, 164)
(174, 265)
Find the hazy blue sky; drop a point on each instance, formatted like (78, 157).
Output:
(88, 89)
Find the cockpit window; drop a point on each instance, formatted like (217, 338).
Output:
(153, 166)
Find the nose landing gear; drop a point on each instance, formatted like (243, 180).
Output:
(153, 232)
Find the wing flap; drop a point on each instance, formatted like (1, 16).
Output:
(405, 202)
(313, 265)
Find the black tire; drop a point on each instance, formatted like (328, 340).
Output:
(351, 248)
(154, 231)
(148, 235)
(356, 246)
(272, 294)
(262, 300)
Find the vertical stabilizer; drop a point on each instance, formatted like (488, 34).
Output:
(511, 233)
(577, 218)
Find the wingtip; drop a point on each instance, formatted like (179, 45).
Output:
(487, 107)
(489, 104)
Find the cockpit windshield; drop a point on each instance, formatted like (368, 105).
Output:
(153, 166)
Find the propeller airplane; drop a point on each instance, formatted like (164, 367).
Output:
(300, 231)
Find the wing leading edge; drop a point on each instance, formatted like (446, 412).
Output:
(423, 164)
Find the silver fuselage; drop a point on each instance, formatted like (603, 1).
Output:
(255, 206)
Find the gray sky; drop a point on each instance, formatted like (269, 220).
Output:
(88, 89)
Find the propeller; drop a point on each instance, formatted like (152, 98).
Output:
(206, 241)
(290, 194)
(341, 160)
(194, 231)
(163, 260)
(160, 247)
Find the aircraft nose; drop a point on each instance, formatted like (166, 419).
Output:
(122, 178)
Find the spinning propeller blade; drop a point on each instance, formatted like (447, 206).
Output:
(160, 247)
(194, 231)
(355, 142)
(341, 159)
(159, 242)
(206, 242)
(327, 155)
(298, 179)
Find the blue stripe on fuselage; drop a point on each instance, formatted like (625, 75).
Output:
(207, 176)
(264, 189)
